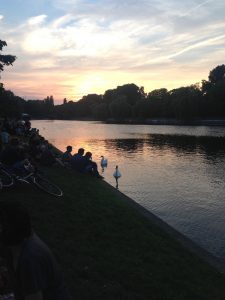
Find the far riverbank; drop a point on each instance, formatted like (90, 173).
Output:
(197, 122)
(159, 121)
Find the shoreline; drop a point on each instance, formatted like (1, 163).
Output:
(109, 247)
(171, 122)
(184, 240)
(159, 121)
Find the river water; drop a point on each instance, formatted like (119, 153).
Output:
(176, 172)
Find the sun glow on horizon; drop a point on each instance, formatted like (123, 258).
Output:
(91, 83)
(78, 86)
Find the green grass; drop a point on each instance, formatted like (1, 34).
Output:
(107, 250)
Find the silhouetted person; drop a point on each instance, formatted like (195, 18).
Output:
(36, 275)
(77, 161)
(90, 166)
(47, 158)
(67, 156)
(6, 125)
(14, 155)
(27, 126)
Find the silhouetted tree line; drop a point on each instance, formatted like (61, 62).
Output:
(14, 106)
(131, 102)
(198, 101)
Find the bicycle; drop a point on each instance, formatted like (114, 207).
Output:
(6, 179)
(33, 176)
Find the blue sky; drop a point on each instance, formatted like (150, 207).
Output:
(69, 48)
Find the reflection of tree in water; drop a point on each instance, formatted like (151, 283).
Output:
(211, 147)
(128, 145)
(179, 143)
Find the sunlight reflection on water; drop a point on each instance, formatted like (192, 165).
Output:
(177, 172)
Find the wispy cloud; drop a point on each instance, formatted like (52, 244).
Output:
(36, 20)
(196, 7)
(209, 42)
(99, 44)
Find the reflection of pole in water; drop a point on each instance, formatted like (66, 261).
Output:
(117, 175)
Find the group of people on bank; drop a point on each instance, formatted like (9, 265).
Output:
(28, 269)
(16, 126)
(20, 143)
(80, 162)
(36, 274)
(17, 150)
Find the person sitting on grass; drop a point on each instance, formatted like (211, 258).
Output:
(34, 147)
(77, 162)
(47, 157)
(90, 166)
(4, 136)
(36, 274)
(14, 156)
(27, 127)
(67, 156)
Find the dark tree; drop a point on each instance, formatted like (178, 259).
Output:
(120, 109)
(10, 105)
(185, 102)
(100, 111)
(132, 93)
(213, 104)
(159, 94)
(5, 60)
(217, 74)
(206, 86)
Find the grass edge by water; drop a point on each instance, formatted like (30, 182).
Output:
(108, 249)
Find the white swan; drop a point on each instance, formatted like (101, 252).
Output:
(104, 162)
(117, 173)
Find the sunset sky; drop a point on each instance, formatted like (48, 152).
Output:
(69, 48)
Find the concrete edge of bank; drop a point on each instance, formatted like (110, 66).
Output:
(188, 244)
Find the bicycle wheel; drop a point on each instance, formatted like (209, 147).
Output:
(5, 178)
(47, 186)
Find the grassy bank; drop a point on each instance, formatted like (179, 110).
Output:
(107, 250)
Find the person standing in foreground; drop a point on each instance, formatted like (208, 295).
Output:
(35, 273)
